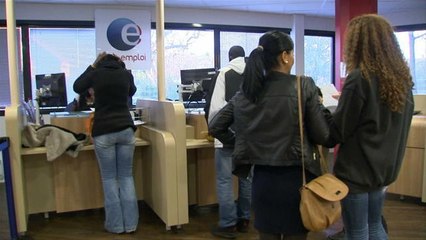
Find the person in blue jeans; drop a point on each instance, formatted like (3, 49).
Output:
(371, 123)
(114, 152)
(233, 217)
(113, 136)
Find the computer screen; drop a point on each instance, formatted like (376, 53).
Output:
(199, 80)
(51, 89)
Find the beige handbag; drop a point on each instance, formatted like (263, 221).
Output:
(320, 198)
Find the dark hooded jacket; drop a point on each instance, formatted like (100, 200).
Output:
(113, 85)
(372, 138)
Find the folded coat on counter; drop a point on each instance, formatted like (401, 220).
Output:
(57, 140)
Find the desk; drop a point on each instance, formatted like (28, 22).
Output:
(198, 143)
(67, 183)
(411, 180)
(159, 164)
(201, 162)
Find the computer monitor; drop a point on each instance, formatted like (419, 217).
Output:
(52, 90)
(199, 80)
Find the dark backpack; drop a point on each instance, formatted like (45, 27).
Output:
(209, 95)
(233, 81)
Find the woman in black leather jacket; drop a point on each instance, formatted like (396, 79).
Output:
(264, 116)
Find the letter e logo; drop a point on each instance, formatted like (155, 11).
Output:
(123, 34)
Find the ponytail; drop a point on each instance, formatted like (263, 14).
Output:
(254, 75)
(261, 60)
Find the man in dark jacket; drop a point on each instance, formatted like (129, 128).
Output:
(231, 220)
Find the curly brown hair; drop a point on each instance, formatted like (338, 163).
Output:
(372, 47)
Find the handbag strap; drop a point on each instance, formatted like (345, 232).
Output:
(299, 103)
(323, 162)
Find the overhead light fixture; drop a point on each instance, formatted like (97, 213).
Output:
(197, 25)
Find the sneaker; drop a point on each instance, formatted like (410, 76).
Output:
(337, 236)
(224, 232)
(243, 225)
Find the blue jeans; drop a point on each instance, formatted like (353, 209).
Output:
(229, 210)
(362, 215)
(114, 152)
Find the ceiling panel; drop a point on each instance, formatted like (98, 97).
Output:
(307, 7)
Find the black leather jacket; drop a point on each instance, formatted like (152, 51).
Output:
(267, 132)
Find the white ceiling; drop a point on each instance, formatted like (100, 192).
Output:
(306, 7)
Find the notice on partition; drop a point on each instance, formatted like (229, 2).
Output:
(125, 33)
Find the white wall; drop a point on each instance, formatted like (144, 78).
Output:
(407, 18)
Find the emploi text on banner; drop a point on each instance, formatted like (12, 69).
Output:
(126, 33)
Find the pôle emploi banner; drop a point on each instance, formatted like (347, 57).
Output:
(125, 33)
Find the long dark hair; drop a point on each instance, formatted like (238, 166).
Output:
(261, 60)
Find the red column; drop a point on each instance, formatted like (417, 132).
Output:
(345, 11)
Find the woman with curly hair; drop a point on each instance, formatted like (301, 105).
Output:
(371, 122)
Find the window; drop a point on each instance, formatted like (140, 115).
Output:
(413, 46)
(319, 59)
(71, 47)
(248, 41)
(184, 49)
(71, 50)
(4, 67)
(56, 50)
